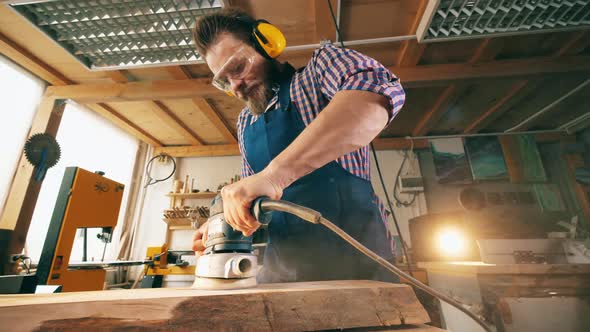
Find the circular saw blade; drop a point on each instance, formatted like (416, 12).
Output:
(39, 144)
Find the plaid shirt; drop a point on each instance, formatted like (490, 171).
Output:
(332, 69)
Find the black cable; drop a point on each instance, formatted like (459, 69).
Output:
(148, 170)
(395, 222)
(336, 24)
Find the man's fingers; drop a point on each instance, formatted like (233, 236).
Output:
(204, 229)
(250, 223)
(198, 245)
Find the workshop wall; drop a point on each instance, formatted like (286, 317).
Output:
(209, 172)
(444, 198)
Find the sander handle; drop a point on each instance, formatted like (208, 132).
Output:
(263, 216)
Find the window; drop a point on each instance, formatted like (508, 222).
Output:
(94, 144)
(20, 93)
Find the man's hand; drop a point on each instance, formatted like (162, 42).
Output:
(238, 197)
(199, 239)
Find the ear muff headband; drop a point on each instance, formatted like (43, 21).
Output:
(268, 40)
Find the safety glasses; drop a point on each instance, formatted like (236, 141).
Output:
(236, 67)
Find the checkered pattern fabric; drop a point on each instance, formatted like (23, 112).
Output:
(332, 69)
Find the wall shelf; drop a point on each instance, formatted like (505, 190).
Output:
(202, 195)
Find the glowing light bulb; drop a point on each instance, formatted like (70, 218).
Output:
(452, 242)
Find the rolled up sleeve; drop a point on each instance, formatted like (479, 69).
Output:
(339, 69)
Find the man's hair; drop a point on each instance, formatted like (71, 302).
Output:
(209, 27)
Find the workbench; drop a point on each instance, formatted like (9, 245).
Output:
(516, 297)
(309, 306)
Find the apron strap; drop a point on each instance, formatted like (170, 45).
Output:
(285, 87)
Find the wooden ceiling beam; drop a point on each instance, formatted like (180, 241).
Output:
(411, 50)
(158, 108)
(31, 63)
(410, 77)
(180, 72)
(52, 76)
(487, 50)
(200, 151)
(134, 91)
(216, 119)
(168, 117)
(122, 122)
(497, 109)
(399, 143)
(577, 42)
(442, 104)
(430, 75)
(394, 143)
(118, 76)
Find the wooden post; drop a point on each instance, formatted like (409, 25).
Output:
(24, 190)
(581, 191)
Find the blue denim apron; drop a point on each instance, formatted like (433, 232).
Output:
(301, 251)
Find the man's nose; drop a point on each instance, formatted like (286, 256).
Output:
(237, 86)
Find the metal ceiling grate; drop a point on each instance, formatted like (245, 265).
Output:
(461, 19)
(109, 34)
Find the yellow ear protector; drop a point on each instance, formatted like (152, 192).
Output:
(268, 40)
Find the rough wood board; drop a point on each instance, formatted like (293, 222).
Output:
(270, 307)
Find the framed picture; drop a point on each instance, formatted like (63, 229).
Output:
(486, 158)
(450, 161)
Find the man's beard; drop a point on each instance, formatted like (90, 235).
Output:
(258, 99)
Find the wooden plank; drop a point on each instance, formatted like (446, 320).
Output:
(496, 109)
(179, 72)
(441, 105)
(307, 306)
(410, 54)
(426, 18)
(429, 75)
(412, 50)
(410, 77)
(582, 192)
(324, 25)
(577, 42)
(24, 190)
(31, 63)
(169, 118)
(397, 143)
(487, 50)
(118, 76)
(200, 151)
(162, 111)
(122, 122)
(215, 117)
(131, 91)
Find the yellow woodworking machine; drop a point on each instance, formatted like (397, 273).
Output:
(85, 200)
(164, 262)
